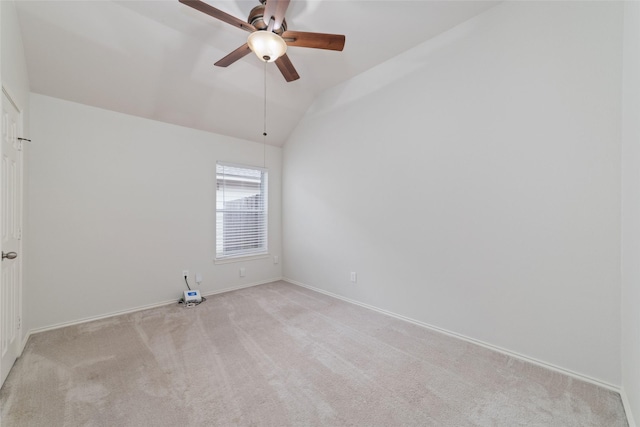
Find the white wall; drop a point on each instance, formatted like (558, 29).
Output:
(631, 211)
(15, 80)
(473, 183)
(14, 66)
(121, 205)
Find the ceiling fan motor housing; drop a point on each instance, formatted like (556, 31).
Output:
(256, 18)
(265, 40)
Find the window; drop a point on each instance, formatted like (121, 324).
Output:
(241, 211)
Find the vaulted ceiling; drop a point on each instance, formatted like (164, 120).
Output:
(155, 59)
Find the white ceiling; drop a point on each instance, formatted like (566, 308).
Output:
(154, 59)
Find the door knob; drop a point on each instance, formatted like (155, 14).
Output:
(10, 255)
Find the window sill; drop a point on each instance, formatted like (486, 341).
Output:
(240, 258)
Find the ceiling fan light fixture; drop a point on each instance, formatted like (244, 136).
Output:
(266, 45)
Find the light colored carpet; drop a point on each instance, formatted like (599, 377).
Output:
(281, 355)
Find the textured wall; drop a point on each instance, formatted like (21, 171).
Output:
(473, 183)
(631, 210)
(120, 205)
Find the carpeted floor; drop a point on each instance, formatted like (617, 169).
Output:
(281, 355)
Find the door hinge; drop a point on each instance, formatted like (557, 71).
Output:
(19, 233)
(19, 322)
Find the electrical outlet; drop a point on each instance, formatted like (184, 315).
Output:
(242, 272)
(198, 278)
(185, 273)
(276, 259)
(354, 277)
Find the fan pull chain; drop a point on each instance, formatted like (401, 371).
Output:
(264, 130)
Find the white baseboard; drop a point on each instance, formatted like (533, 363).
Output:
(627, 408)
(246, 285)
(138, 308)
(514, 354)
(23, 344)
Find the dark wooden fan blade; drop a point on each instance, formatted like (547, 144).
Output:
(275, 9)
(239, 53)
(218, 14)
(314, 40)
(286, 68)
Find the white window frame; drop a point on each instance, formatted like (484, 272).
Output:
(238, 255)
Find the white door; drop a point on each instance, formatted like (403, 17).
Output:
(11, 230)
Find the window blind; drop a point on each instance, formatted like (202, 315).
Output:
(241, 210)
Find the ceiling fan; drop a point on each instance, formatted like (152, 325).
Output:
(269, 36)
